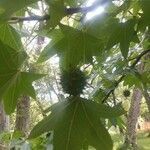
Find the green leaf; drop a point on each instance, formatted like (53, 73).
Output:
(9, 36)
(21, 83)
(13, 82)
(131, 79)
(76, 122)
(98, 95)
(101, 27)
(124, 34)
(10, 59)
(105, 111)
(145, 17)
(74, 3)
(56, 11)
(75, 47)
(8, 7)
(48, 123)
(56, 35)
(135, 6)
(145, 7)
(112, 32)
(145, 77)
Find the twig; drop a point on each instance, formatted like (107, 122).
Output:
(139, 57)
(90, 85)
(29, 18)
(112, 90)
(121, 78)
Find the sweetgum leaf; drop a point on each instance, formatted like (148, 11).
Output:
(21, 83)
(13, 82)
(74, 47)
(123, 34)
(9, 36)
(76, 122)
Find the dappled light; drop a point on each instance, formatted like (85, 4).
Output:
(75, 75)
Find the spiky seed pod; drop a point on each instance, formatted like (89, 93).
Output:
(126, 93)
(73, 81)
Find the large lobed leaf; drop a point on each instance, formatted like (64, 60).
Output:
(74, 47)
(76, 123)
(21, 83)
(56, 35)
(124, 34)
(13, 82)
(113, 32)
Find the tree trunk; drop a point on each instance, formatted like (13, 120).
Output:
(134, 112)
(4, 119)
(23, 115)
(132, 118)
(147, 98)
(4, 124)
(145, 92)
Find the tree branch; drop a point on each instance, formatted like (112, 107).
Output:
(68, 11)
(112, 90)
(29, 18)
(139, 57)
(122, 77)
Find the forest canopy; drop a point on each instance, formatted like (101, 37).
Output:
(74, 73)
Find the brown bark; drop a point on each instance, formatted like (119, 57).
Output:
(23, 115)
(4, 119)
(132, 118)
(133, 114)
(147, 98)
(4, 125)
(145, 92)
